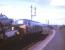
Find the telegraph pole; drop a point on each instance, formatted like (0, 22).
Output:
(31, 16)
(48, 22)
(33, 13)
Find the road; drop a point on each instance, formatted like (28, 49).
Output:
(42, 44)
(57, 43)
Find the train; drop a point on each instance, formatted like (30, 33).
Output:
(23, 28)
(5, 20)
(20, 35)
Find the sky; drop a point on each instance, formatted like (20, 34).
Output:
(46, 10)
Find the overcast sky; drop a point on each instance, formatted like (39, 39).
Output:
(46, 9)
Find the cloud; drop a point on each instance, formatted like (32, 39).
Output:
(57, 2)
(43, 2)
(2, 4)
(21, 9)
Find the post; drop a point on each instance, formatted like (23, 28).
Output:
(33, 12)
(31, 16)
